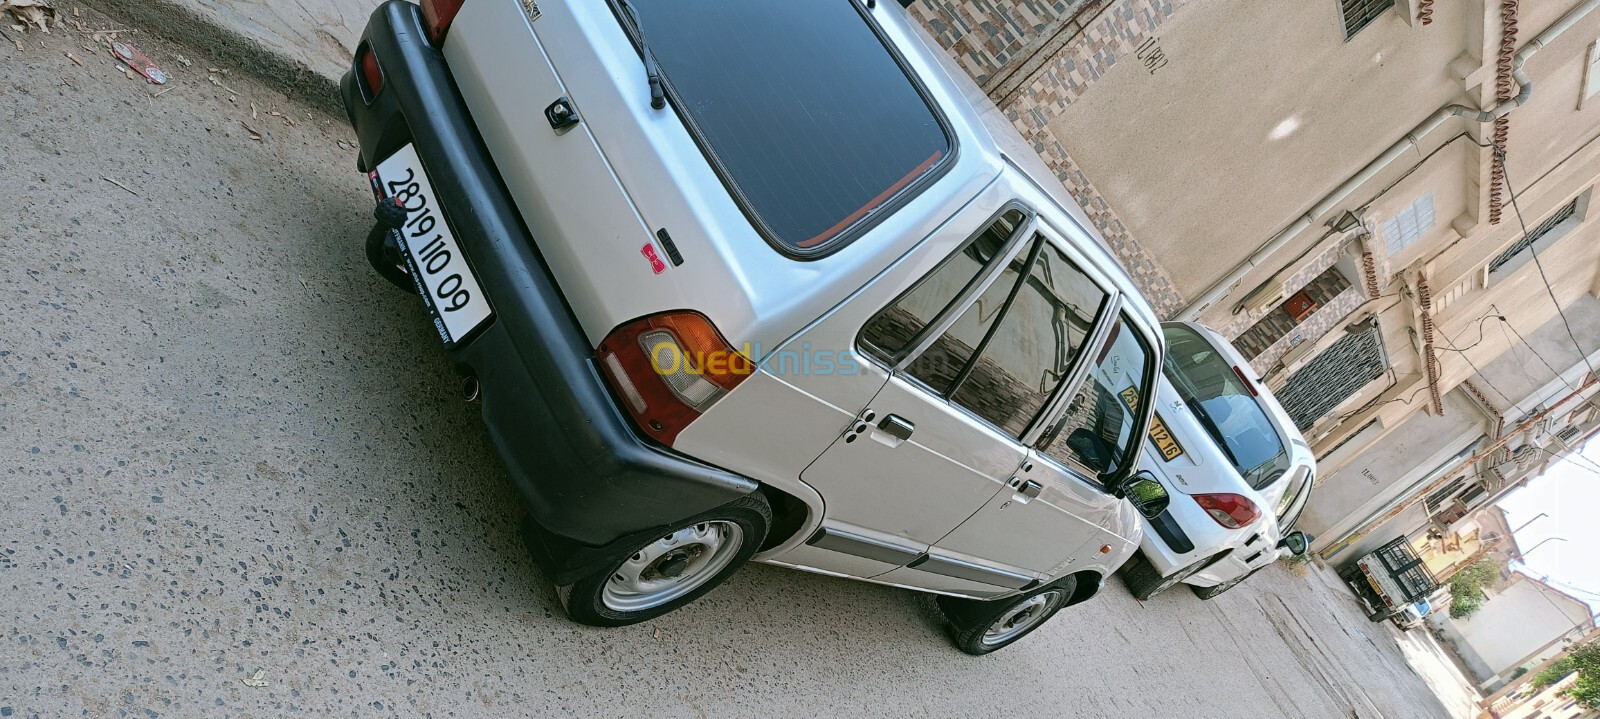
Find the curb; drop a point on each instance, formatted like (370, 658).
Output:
(273, 67)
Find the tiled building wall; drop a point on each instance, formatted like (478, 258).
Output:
(992, 37)
(1294, 283)
(1324, 320)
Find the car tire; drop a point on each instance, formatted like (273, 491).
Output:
(1144, 582)
(1212, 591)
(385, 260)
(979, 627)
(664, 573)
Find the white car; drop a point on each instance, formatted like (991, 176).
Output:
(1238, 470)
(762, 279)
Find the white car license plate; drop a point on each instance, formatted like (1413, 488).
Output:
(432, 254)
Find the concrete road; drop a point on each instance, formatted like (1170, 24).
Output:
(231, 456)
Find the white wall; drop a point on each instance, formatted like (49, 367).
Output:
(1390, 468)
(1517, 622)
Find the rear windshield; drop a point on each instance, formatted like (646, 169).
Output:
(811, 121)
(1227, 410)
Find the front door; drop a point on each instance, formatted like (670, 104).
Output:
(1055, 511)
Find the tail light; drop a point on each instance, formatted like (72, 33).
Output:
(1230, 510)
(371, 73)
(437, 16)
(669, 369)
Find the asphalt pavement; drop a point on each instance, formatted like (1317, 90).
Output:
(236, 480)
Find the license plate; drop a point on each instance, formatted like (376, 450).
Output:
(434, 258)
(1165, 443)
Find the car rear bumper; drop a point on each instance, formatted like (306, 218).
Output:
(1183, 535)
(592, 485)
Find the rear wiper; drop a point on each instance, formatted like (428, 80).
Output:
(658, 95)
(1200, 413)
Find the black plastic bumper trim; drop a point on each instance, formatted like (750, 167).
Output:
(1168, 529)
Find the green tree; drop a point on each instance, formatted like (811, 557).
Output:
(1466, 587)
(1464, 605)
(1585, 662)
(1554, 673)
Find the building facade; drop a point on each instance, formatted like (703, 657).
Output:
(1482, 533)
(1500, 429)
(1316, 181)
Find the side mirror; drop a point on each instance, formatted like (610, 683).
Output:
(1146, 494)
(1298, 543)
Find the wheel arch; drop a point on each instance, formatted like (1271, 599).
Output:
(1088, 584)
(791, 515)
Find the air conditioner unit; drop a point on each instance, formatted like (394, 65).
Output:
(1264, 298)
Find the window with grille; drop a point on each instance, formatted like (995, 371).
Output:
(1443, 494)
(1338, 374)
(1358, 14)
(1567, 212)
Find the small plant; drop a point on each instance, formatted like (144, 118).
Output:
(1466, 587)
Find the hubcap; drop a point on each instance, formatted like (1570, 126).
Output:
(672, 566)
(1021, 618)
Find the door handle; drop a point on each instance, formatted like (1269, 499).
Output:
(1028, 492)
(896, 426)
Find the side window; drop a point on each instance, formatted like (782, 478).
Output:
(940, 364)
(1031, 350)
(897, 326)
(1098, 435)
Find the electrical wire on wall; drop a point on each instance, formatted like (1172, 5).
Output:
(1578, 460)
(1505, 325)
(1500, 159)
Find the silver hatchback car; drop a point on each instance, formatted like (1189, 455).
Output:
(760, 279)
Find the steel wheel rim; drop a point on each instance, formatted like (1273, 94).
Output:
(672, 566)
(1019, 619)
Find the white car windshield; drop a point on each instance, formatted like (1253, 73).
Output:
(1225, 407)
